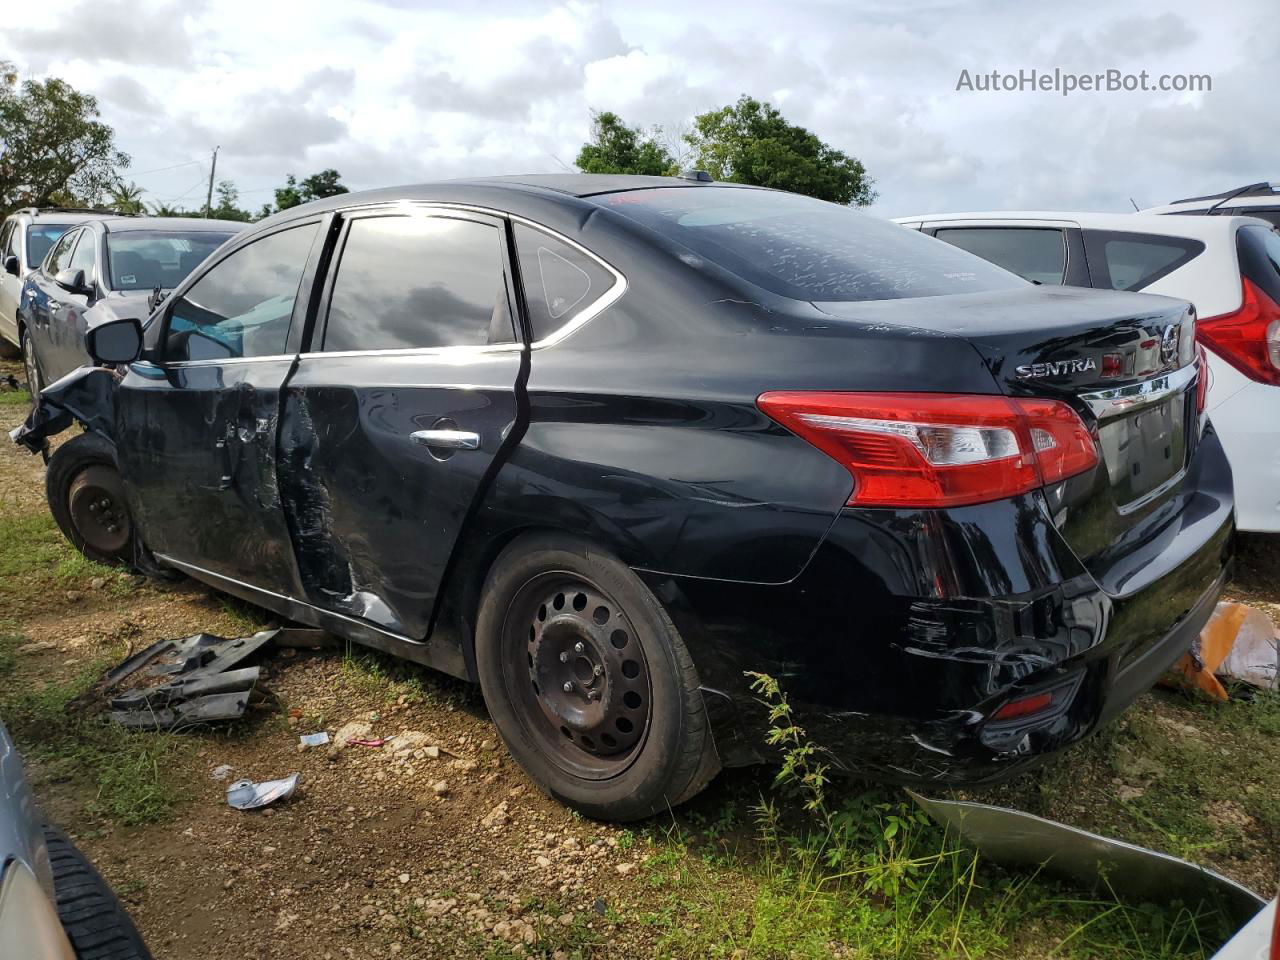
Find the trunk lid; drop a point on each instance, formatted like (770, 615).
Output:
(1125, 362)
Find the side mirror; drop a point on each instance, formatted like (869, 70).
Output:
(72, 281)
(11, 265)
(116, 341)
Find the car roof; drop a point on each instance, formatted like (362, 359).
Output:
(54, 215)
(171, 224)
(1187, 226)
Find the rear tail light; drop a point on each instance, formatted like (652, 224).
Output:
(1024, 707)
(938, 450)
(1247, 338)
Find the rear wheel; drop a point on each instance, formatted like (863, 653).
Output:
(93, 918)
(588, 681)
(86, 497)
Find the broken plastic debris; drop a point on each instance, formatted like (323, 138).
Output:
(222, 771)
(1238, 644)
(1017, 839)
(247, 795)
(367, 742)
(314, 739)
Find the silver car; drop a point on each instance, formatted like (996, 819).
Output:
(53, 904)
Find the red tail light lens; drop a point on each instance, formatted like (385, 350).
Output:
(1248, 338)
(1024, 707)
(938, 450)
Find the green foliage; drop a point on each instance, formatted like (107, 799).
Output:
(801, 771)
(126, 198)
(326, 183)
(615, 147)
(53, 147)
(228, 205)
(751, 142)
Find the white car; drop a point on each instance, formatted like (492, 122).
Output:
(1258, 940)
(1228, 266)
(1260, 200)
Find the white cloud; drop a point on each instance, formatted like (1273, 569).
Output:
(395, 91)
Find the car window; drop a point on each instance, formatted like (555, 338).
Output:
(40, 237)
(406, 282)
(1131, 261)
(61, 254)
(560, 281)
(803, 248)
(1033, 253)
(146, 259)
(1259, 250)
(241, 307)
(6, 239)
(84, 255)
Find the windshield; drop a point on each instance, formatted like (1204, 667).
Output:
(808, 249)
(145, 259)
(40, 240)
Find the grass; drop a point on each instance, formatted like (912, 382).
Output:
(387, 679)
(15, 398)
(134, 775)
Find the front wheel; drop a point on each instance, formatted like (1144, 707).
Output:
(588, 681)
(86, 497)
(32, 368)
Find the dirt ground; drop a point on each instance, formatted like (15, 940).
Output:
(391, 851)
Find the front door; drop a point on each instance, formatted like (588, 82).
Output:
(395, 417)
(66, 322)
(43, 303)
(196, 426)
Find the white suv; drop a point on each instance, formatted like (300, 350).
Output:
(1229, 267)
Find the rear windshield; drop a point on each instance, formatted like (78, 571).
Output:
(808, 249)
(145, 259)
(40, 240)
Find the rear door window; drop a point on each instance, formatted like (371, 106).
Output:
(1033, 253)
(806, 249)
(40, 237)
(243, 305)
(1131, 261)
(561, 283)
(418, 282)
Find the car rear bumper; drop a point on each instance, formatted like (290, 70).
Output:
(909, 630)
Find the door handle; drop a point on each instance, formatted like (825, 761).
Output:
(449, 439)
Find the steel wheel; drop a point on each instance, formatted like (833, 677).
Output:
(98, 510)
(577, 675)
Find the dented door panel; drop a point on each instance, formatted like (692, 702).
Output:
(374, 513)
(196, 445)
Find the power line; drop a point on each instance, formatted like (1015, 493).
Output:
(143, 173)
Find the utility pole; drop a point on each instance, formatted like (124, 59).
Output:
(208, 200)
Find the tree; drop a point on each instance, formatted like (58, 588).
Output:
(126, 198)
(228, 203)
(616, 148)
(165, 210)
(323, 184)
(52, 146)
(751, 142)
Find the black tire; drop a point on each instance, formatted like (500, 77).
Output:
(86, 497)
(94, 919)
(650, 756)
(30, 365)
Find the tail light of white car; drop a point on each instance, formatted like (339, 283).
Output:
(1249, 337)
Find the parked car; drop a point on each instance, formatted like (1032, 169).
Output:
(1228, 267)
(605, 444)
(53, 903)
(1259, 939)
(1260, 200)
(102, 270)
(25, 237)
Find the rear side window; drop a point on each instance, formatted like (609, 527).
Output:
(40, 237)
(61, 254)
(1033, 253)
(414, 282)
(1131, 261)
(807, 249)
(560, 281)
(242, 307)
(1259, 250)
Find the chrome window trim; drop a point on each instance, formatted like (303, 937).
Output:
(179, 364)
(1134, 396)
(570, 326)
(453, 351)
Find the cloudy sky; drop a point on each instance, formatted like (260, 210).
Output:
(397, 91)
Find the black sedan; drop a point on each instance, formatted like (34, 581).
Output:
(607, 444)
(105, 269)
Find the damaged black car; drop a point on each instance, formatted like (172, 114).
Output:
(607, 445)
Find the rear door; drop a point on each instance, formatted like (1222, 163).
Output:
(197, 428)
(43, 301)
(401, 409)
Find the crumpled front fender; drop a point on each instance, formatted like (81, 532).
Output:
(86, 395)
